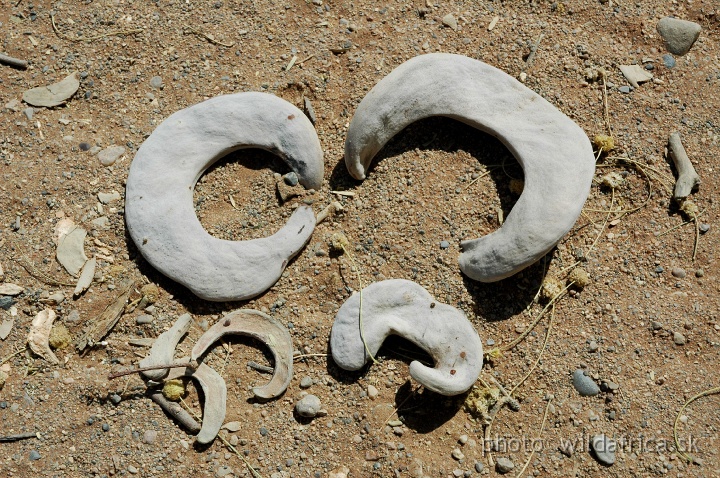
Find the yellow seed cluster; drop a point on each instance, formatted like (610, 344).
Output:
(59, 337)
(604, 142)
(551, 288)
(480, 400)
(339, 242)
(174, 389)
(151, 293)
(579, 277)
(613, 180)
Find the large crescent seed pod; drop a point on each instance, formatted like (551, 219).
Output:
(404, 308)
(554, 152)
(159, 199)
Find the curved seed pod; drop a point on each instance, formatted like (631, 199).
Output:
(215, 391)
(261, 327)
(401, 307)
(554, 152)
(163, 349)
(159, 199)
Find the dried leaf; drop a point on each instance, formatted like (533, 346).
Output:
(54, 94)
(40, 335)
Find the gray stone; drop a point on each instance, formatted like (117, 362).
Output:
(603, 449)
(404, 308)
(291, 178)
(107, 198)
(679, 35)
(678, 272)
(159, 210)
(584, 384)
(115, 398)
(144, 319)
(55, 94)
(668, 60)
(479, 467)
(457, 454)
(624, 89)
(449, 20)
(156, 82)
(372, 392)
(504, 465)
(150, 436)
(34, 455)
(679, 338)
(556, 152)
(308, 406)
(444, 244)
(223, 471)
(306, 382)
(592, 346)
(28, 112)
(108, 156)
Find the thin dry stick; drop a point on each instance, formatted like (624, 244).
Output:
(12, 61)
(252, 470)
(605, 106)
(306, 59)
(362, 286)
(93, 38)
(122, 373)
(17, 352)
(667, 231)
(532, 452)
(308, 355)
(534, 366)
(208, 37)
(527, 331)
(683, 453)
(40, 275)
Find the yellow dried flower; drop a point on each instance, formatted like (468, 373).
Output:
(604, 142)
(59, 337)
(174, 389)
(339, 242)
(551, 288)
(579, 277)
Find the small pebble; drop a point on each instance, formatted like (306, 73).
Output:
(132, 470)
(105, 427)
(656, 325)
(584, 384)
(108, 156)
(150, 436)
(668, 60)
(444, 244)
(479, 467)
(156, 82)
(457, 454)
(34, 455)
(308, 406)
(624, 89)
(592, 346)
(264, 431)
(490, 342)
(85, 146)
(115, 398)
(223, 471)
(699, 273)
(144, 319)
(449, 20)
(504, 465)
(28, 112)
(372, 392)
(306, 382)
(679, 338)
(678, 272)
(604, 449)
(291, 178)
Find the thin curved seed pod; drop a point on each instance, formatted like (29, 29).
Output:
(261, 327)
(554, 152)
(163, 349)
(159, 208)
(404, 308)
(215, 391)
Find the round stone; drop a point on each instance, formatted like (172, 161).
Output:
(306, 382)
(678, 272)
(603, 449)
(504, 465)
(584, 384)
(679, 338)
(308, 406)
(34, 455)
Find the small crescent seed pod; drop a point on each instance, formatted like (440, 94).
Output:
(402, 307)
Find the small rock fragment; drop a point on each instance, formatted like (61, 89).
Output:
(156, 82)
(150, 436)
(109, 155)
(668, 60)
(679, 35)
(5, 327)
(372, 392)
(679, 338)
(678, 272)
(306, 382)
(504, 465)
(449, 20)
(309, 110)
(457, 454)
(10, 289)
(635, 74)
(232, 426)
(603, 449)
(340, 472)
(54, 94)
(308, 406)
(71, 250)
(584, 384)
(107, 198)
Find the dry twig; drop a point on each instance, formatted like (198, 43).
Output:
(689, 458)
(208, 37)
(92, 38)
(14, 62)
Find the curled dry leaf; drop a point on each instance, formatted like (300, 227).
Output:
(39, 336)
(54, 94)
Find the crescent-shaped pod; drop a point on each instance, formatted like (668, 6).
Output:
(215, 391)
(159, 196)
(264, 328)
(554, 152)
(404, 308)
